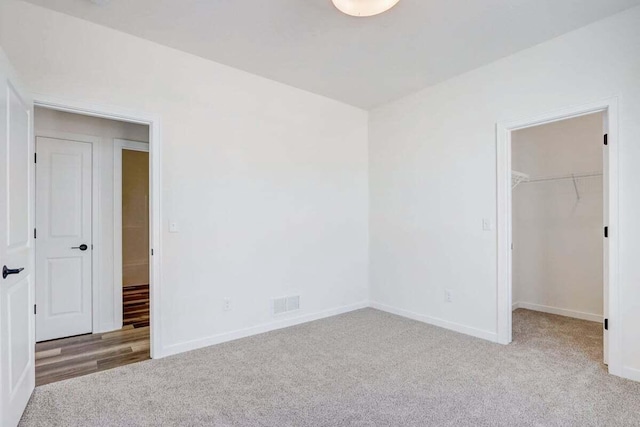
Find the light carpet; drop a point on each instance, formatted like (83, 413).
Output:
(364, 368)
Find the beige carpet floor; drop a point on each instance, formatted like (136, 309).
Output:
(365, 368)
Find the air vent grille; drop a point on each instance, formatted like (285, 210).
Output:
(285, 304)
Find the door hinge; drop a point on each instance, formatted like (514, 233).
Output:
(35, 309)
(606, 139)
(151, 252)
(606, 232)
(606, 324)
(35, 233)
(35, 157)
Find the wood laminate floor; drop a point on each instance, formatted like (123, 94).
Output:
(71, 357)
(136, 306)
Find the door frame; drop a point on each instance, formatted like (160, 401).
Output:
(155, 193)
(96, 217)
(118, 146)
(504, 130)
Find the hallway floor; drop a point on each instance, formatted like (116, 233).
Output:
(80, 355)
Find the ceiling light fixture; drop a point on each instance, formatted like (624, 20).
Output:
(362, 8)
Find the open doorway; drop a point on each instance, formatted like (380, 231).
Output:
(567, 196)
(80, 323)
(131, 214)
(557, 234)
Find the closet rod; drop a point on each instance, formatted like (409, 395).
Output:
(559, 178)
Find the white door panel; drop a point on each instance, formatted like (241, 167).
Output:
(64, 280)
(63, 224)
(17, 367)
(18, 301)
(18, 157)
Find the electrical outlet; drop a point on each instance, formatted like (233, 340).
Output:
(226, 304)
(448, 296)
(486, 224)
(173, 227)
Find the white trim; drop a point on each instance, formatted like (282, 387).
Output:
(118, 146)
(559, 311)
(155, 215)
(260, 329)
(631, 373)
(504, 226)
(446, 324)
(96, 218)
(126, 144)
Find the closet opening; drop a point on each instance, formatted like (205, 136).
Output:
(557, 234)
(558, 222)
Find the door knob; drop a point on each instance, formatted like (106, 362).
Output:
(7, 271)
(82, 247)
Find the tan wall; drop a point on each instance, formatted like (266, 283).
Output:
(135, 217)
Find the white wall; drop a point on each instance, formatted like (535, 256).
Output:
(433, 175)
(253, 171)
(267, 183)
(47, 121)
(557, 237)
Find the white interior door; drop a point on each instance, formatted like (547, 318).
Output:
(17, 367)
(605, 251)
(63, 239)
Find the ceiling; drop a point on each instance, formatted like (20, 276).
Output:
(364, 62)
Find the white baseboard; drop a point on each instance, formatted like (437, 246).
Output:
(631, 374)
(559, 311)
(267, 327)
(106, 327)
(457, 327)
